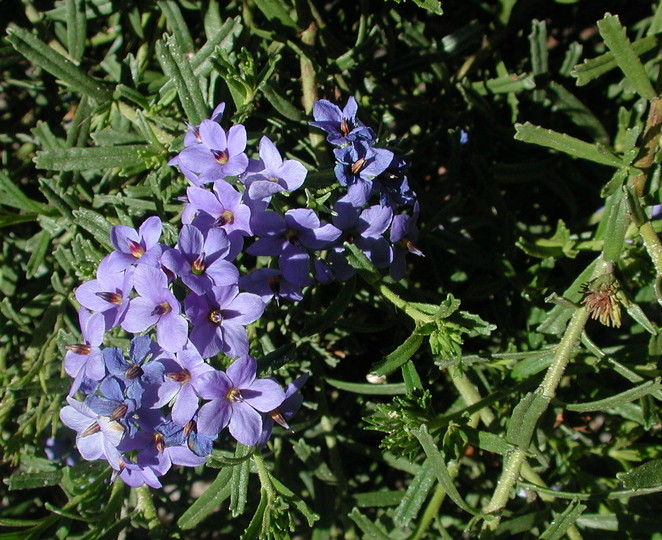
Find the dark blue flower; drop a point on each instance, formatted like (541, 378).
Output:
(357, 166)
(342, 126)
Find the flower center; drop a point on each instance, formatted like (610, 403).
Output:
(234, 395)
(161, 309)
(358, 165)
(159, 443)
(344, 127)
(189, 428)
(136, 249)
(274, 284)
(182, 377)
(216, 316)
(225, 218)
(133, 372)
(110, 297)
(119, 412)
(79, 348)
(291, 236)
(91, 429)
(350, 237)
(198, 266)
(221, 156)
(274, 180)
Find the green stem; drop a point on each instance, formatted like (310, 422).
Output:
(401, 304)
(147, 508)
(264, 475)
(653, 245)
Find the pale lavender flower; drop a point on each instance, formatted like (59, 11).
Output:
(108, 293)
(270, 283)
(84, 360)
(219, 318)
(285, 411)
(342, 126)
(156, 305)
(289, 238)
(270, 174)
(217, 155)
(97, 437)
(404, 233)
(364, 229)
(237, 399)
(181, 379)
(135, 247)
(200, 261)
(357, 166)
(134, 475)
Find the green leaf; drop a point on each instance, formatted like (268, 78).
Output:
(40, 242)
(299, 504)
(239, 481)
(645, 476)
(626, 58)
(593, 68)
(369, 389)
(645, 389)
(368, 527)
(331, 314)
(47, 58)
(275, 10)
(26, 480)
(178, 68)
(76, 28)
(562, 522)
(524, 418)
(105, 157)
(440, 468)
(504, 85)
(559, 245)
(283, 105)
(177, 25)
(617, 223)
(416, 494)
(399, 356)
(11, 195)
(216, 493)
(358, 260)
(94, 223)
(378, 499)
(565, 143)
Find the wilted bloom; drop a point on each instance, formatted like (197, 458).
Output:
(108, 293)
(403, 235)
(602, 299)
(135, 247)
(218, 154)
(342, 126)
(84, 360)
(156, 305)
(357, 165)
(270, 174)
(219, 318)
(181, 378)
(97, 436)
(237, 399)
(289, 238)
(200, 261)
(365, 229)
(285, 411)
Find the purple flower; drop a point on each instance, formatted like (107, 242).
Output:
(192, 136)
(111, 402)
(237, 399)
(393, 184)
(270, 283)
(181, 379)
(403, 235)
(166, 447)
(199, 261)
(289, 237)
(357, 166)
(219, 318)
(133, 247)
(342, 126)
(84, 360)
(108, 293)
(218, 154)
(222, 208)
(270, 174)
(285, 411)
(142, 373)
(364, 229)
(199, 443)
(134, 475)
(97, 436)
(156, 305)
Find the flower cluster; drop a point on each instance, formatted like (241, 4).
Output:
(364, 170)
(165, 403)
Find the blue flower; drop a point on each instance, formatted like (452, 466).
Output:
(357, 166)
(342, 126)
